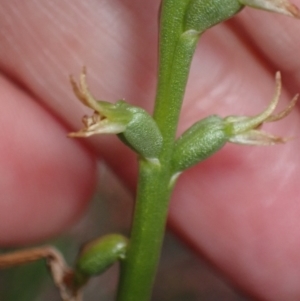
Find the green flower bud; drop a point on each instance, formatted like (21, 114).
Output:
(97, 256)
(133, 125)
(142, 133)
(209, 135)
(199, 142)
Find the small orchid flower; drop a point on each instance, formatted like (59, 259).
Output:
(133, 125)
(209, 135)
(107, 118)
(246, 130)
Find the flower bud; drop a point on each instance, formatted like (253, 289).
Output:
(199, 142)
(142, 133)
(98, 255)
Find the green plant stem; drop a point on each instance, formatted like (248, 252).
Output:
(138, 270)
(155, 179)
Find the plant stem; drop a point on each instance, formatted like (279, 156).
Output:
(138, 270)
(154, 187)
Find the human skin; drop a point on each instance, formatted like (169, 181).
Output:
(239, 208)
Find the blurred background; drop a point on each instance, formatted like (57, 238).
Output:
(182, 275)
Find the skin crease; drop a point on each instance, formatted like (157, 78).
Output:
(240, 208)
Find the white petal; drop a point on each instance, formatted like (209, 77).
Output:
(279, 6)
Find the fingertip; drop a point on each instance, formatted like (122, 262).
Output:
(46, 178)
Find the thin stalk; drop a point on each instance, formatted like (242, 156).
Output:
(138, 270)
